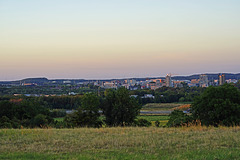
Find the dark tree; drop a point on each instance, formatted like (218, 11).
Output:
(119, 108)
(218, 106)
(23, 113)
(178, 118)
(87, 115)
(40, 120)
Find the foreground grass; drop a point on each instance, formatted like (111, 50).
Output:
(121, 143)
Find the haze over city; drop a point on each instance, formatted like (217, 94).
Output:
(118, 39)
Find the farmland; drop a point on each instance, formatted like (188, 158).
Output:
(161, 106)
(154, 107)
(121, 143)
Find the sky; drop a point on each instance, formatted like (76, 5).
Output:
(104, 39)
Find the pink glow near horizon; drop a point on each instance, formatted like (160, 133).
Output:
(117, 39)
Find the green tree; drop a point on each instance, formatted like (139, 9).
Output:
(218, 106)
(119, 108)
(237, 84)
(22, 112)
(87, 115)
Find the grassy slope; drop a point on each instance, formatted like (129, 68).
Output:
(121, 143)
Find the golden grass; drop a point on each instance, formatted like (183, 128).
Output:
(133, 139)
(160, 106)
(183, 107)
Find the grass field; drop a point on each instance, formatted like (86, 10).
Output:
(152, 118)
(154, 107)
(162, 118)
(160, 106)
(59, 119)
(121, 143)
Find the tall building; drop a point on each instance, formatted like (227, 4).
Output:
(221, 79)
(203, 80)
(168, 81)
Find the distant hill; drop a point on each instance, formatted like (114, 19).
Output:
(35, 80)
(39, 81)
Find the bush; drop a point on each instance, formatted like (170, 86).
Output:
(157, 123)
(178, 118)
(40, 120)
(56, 113)
(6, 125)
(142, 123)
(60, 124)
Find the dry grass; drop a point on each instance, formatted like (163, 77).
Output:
(160, 106)
(183, 107)
(133, 140)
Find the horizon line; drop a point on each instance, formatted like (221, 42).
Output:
(175, 75)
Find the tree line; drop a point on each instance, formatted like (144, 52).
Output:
(162, 95)
(215, 106)
(117, 108)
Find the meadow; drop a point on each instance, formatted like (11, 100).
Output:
(194, 142)
(161, 106)
(152, 118)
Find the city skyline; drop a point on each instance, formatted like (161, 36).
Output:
(110, 39)
(131, 78)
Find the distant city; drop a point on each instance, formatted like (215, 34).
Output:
(200, 80)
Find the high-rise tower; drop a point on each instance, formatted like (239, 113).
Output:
(203, 80)
(221, 79)
(169, 81)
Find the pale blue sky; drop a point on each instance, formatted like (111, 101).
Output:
(117, 39)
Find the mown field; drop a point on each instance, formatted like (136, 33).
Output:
(154, 107)
(163, 119)
(152, 118)
(161, 106)
(121, 143)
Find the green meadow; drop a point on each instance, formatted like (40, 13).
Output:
(152, 118)
(194, 142)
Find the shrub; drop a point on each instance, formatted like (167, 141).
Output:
(5, 122)
(40, 120)
(157, 123)
(142, 123)
(178, 118)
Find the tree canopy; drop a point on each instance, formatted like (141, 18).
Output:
(27, 113)
(87, 115)
(218, 106)
(119, 108)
